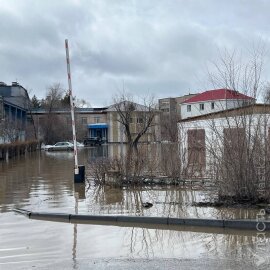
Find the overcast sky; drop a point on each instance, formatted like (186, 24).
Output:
(160, 47)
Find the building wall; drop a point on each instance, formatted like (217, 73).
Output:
(173, 105)
(117, 134)
(167, 105)
(170, 109)
(92, 118)
(179, 102)
(83, 119)
(115, 130)
(219, 105)
(217, 131)
(1, 109)
(14, 104)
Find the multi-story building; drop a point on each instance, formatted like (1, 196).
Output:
(14, 103)
(91, 123)
(170, 114)
(97, 125)
(214, 101)
(210, 138)
(172, 105)
(138, 118)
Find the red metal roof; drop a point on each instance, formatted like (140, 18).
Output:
(217, 94)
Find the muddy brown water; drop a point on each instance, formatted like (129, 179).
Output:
(44, 182)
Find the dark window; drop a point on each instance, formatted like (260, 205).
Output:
(165, 110)
(84, 120)
(201, 107)
(213, 105)
(96, 119)
(189, 108)
(140, 120)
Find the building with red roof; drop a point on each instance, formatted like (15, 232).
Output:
(213, 101)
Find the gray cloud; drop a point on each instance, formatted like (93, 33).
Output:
(158, 46)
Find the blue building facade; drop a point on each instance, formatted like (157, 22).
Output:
(98, 132)
(14, 104)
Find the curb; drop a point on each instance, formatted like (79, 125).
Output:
(246, 224)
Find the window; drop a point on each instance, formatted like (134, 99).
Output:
(189, 108)
(140, 120)
(165, 110)
(96, 119)
(41, 120)
(84, 120)
(213, 105)
(201, 107)
(59, 144)
(164, 103)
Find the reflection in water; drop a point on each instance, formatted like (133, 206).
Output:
(97, 152)
(167, 201)
(60, 155)
(44, 182)
(79, 190)
(74, 247)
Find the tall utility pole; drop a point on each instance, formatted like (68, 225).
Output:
(76, 168)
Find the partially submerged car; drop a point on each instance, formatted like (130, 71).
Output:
(61, 146)
(45, 147)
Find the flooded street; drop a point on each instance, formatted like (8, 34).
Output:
(44, 182)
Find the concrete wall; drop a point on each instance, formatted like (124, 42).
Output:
(93, 118)
(214, 135)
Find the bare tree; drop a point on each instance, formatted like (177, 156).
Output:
(54, 96)
(55, 126)
(237, 141)
(267, 93)
(137, 124)
(10, 130)
(168, 126)
(82, 103)
(136, 119)
(232, 72)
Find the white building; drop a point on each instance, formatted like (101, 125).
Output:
(213, 101)
(204, 139)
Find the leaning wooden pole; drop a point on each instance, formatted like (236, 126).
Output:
(77, 173)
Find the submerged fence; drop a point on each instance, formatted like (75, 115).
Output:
(10, 150)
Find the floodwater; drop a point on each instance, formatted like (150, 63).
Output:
(43, 181)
